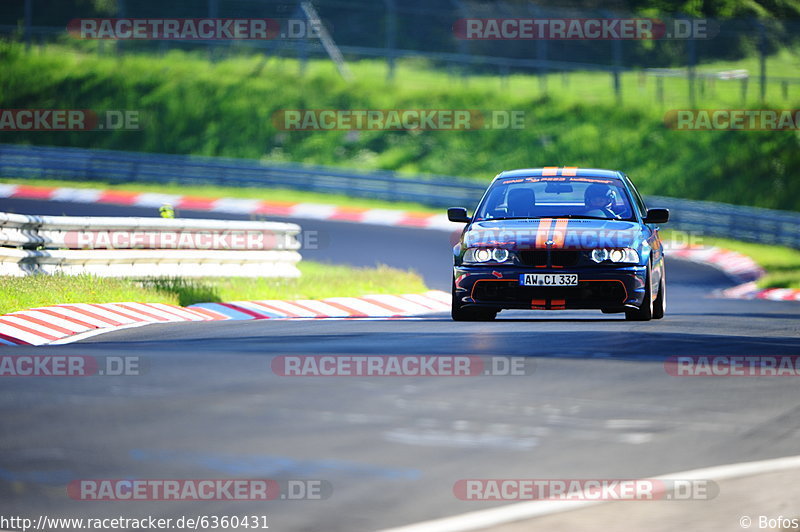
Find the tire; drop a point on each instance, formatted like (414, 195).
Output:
(644, 312)
(458, 313)
(473, 315)
(660, 303)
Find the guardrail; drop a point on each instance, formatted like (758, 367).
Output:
(147, 247)
(751, 224)
(131, 167)
(709, 218)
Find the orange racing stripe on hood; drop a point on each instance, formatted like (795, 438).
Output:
(560, 233)
(543, 231)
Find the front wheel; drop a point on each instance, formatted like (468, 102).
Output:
(473, 315)
(644, 312)
(459, 313)
(660, 304)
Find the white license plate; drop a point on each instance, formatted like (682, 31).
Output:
(548, 279)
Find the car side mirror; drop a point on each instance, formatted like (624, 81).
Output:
(458, 214)
(657, 216)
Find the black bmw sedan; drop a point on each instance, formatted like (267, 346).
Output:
(557, 239)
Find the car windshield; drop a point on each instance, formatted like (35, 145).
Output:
(556, 197)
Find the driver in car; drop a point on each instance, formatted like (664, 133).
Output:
(600, 200)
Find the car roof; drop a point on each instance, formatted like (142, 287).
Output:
(563, 171)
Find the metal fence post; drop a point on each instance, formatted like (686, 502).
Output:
(617, 50)
(213, 12)
(301, 46)
(660, 89)
(743, 89)
(28, 22)
(391, 37)
(762, 60)
(541, 55)
(121, 11)
(692, 49)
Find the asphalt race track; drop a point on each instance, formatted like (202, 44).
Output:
(597, 404)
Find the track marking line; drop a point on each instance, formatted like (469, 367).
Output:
(483, 519)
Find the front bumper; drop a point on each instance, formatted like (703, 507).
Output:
(497, 287)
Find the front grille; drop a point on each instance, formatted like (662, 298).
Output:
(535, 257)
(565, 258)
(587, 292)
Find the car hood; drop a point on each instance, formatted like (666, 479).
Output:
(561, 233)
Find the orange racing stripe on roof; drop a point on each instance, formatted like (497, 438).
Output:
(569, 171)
(550, 170)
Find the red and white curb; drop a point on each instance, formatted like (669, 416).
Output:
(740, 267)
(376, 306)
(310, 211)
(59, 324)
(47, 325)
(751, 291)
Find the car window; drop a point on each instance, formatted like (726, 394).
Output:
(637, 198)
(542, 197)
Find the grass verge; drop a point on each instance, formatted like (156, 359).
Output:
(233, 108)
(318, 281)
(782, 264)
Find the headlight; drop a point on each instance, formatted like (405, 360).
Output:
(599, 255)
(482, 255)
(627, 255)
(479, 255)
(500, 255)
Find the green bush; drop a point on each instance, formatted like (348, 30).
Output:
(225, 108)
